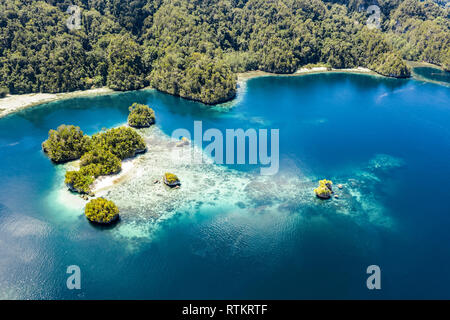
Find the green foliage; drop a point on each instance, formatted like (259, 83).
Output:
(193, 48)
(3, 92)
(100, 162)
(100, 155)
(79, 181)
(196, 76)
(141, 116)
(420, 31)
(39, 54)
(391, 65)
(446, 61)
(104, 157)
(122, 142)
(126, 69)
(101, 211)
(93, 164)
(67, 143)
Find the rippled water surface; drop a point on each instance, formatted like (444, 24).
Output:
(229, 232)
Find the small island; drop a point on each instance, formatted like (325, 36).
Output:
(171, 180)
(101, 211)
(123, 142)
(324, 190)
(141, 116)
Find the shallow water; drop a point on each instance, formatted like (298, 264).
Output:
(229, 232)
(432, 74)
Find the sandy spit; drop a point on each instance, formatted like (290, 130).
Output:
(14, 103)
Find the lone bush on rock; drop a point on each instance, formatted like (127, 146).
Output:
(324, 190)
(171, 180)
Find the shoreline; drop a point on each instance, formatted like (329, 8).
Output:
(14, 103)
(244, 76)
(417, 64)
(103, 183)
(414, 75)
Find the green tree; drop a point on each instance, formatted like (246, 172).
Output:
(67, 143)
(122, 142)
(101, 211)
(125, 66)
(141, 116)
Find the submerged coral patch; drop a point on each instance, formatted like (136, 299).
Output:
(144, 202)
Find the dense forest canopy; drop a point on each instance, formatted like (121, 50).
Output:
(194, 48)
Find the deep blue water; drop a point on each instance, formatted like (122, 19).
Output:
(331, 126)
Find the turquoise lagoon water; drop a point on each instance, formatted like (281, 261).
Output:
(230, 233)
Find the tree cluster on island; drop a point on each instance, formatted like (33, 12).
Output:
(141, 116)
(194, 48)
(93, 164)
(99, 155)
(67, 143)
(101, 211)
(105, 156)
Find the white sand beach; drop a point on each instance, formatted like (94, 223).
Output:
(242, 77)
(13, 103)
(325, 69)
(104, 182)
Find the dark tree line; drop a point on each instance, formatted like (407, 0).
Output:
(194, 48)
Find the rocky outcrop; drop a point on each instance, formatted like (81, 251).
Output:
(171, 180)
(183, 142)
(325, 189)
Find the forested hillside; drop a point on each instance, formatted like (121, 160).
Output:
(194, 48)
